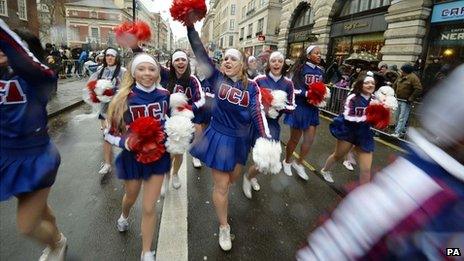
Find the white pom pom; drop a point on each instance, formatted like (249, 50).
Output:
(272, 113)
(180, 133)
(279, 99)
(187, 113)
(101, 86)
(266, 156)
(86, 97)
(391, 102)
(177, 99)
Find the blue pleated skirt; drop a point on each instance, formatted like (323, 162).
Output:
(129, 168)
(221, 151)
(356, 133)
(27, 170)
(303, 117)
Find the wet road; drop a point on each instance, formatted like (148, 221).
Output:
(268, 227)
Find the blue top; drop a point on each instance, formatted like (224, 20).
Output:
(24, 93)
(141, 103)
(193, 91)
(355, 107)
(311, 73)
(282, 84)
(235, 106)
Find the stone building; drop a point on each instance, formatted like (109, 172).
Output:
(20, 14)
(395, 31)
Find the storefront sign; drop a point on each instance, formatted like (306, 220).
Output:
(359, 26)
(448, 12)
(452, 37)
(302, 36)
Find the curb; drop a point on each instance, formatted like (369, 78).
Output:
(75, 103)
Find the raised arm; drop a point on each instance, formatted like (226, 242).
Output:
(198, 95)
(21, 60)
(202, 56)
(290, 97)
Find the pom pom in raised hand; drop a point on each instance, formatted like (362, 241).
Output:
(317, 94)
(378, 115)
(128, 34)
(188, 11)
(266, 156)
(146, 139)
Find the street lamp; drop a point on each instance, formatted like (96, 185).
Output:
(134, 6)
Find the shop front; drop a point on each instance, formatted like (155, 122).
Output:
(364, 34)
(446, 38)
(300, 34)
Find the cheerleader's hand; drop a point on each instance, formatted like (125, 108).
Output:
(111, 139)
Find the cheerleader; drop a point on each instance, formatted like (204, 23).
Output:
(112, 70)
(273, 80)
(29, 160)
(178, 78)
(351, 130)
(140, 95)
(305, 119)
(225, 144)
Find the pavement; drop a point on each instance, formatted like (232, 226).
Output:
(270, 226)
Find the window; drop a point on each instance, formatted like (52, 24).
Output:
(243, 12)
(357, 6)
(242, 32)
(232, 24)
(232, 9)
(73, 33)
(250, 30)
(262, 2)
(94, 33)
(231, 40)
(3, 8)
(304, 18)
(260, 26)
(22, 9)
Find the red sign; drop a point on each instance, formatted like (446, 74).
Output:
(261, 38)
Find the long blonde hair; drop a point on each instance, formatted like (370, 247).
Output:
(118, 105)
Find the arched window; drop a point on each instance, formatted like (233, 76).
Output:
(305, 17)
(356, 6)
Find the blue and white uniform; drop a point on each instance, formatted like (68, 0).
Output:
(276, 83)
(305, 114)
(29, 161)
(193, 91)
(226, 141)
(351, 125)
(412, 210)
(108, 73)
(203, 115)
(143, 103)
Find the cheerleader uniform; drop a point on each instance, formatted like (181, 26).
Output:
(108, 73)
(193, 91)
(351, 125)
(29, 161)
(226, 141)
(275, 83)
(143, 103)
(305, 114)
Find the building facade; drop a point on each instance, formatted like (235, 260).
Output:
(20, 14)
(393, 31)
(225, 24)
(259, 26)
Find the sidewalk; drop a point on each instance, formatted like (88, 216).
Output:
(68, 95)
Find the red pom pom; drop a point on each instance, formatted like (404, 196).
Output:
(188, 11)
(91, 85)
(146, 139)
(316, 93)
(108, 92)
(129, 33)
(266, 97)
(185, 107)
(378, 116)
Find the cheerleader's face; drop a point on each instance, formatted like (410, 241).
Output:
(276, 65)
(146, 74)
(3, 59)
(110, 60)
(232, 66)
(180, 65)
(253, 65)
(368, 87)
(315, 56)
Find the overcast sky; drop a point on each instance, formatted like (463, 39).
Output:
(163, 6)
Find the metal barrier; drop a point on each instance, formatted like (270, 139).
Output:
(337, 101)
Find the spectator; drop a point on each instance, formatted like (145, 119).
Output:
(83, 57)
(407, 88)
(333, 74)
(383, 68)
(430, 74)
(252, 70)
(419, 67)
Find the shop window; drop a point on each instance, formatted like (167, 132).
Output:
(304, 18)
